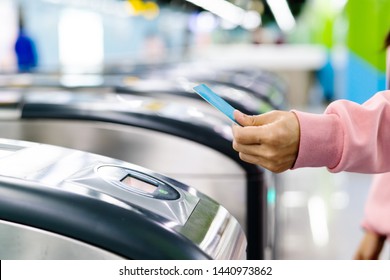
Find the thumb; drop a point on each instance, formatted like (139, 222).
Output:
(246, 120)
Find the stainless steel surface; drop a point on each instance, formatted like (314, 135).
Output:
(205, 169)
(202, 221)
(55, 166)
(191, 110)
(176, 211)
(19, 242)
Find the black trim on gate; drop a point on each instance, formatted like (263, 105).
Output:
(199, 133)
(91, 221)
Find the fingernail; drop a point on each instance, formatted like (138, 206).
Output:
(241, 114)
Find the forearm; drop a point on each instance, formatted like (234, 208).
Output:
(347, 137)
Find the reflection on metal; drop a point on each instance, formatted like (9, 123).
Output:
(51, 169)
(204, 169)
(20, 242)
(226, 226)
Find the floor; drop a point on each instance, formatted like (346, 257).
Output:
(319, 214)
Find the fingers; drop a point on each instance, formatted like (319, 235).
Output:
(275, 166)
(267, 133)
(249, 135)
(358, 256)
(257, 129)
(270, 157)
(246, 120)
(262, 150)
(270, 140)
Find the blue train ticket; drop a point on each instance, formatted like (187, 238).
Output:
(214, 99)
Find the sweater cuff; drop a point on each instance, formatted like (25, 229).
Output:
(366, 226)
(321, 140)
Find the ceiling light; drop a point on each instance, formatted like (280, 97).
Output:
(282, 14)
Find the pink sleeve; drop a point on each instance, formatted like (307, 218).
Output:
(347, 137)
(377, 210)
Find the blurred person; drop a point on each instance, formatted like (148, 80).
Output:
(376, 221)
(25, 49)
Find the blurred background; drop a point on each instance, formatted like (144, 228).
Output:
(322, 50)
(340, 41)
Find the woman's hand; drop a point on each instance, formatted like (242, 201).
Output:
(370, 247)
(270, 140)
